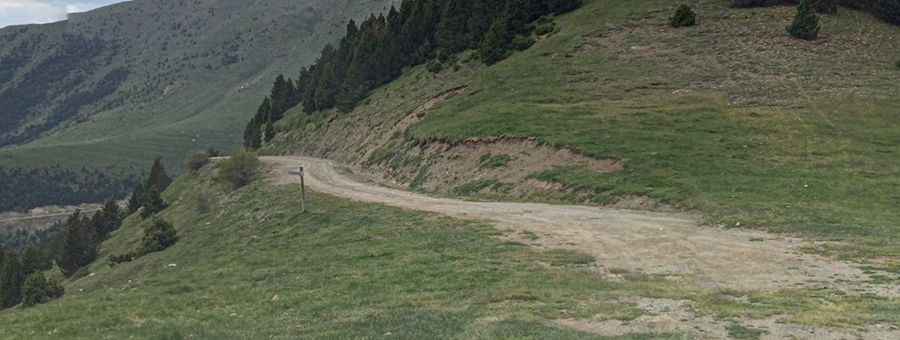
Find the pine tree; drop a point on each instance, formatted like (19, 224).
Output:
(806, 23)
(11, 279)
(80, 244)
(107, 220)
(153, 203)
(135, 202)
(452, 33)
(279, 103)
(269, 131)
(495, 45)
(35, 290)
(34, 260)
(158, 178)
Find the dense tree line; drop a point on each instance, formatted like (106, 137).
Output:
(23, 188)
(72, 245)
(75, 243)
(376, 51)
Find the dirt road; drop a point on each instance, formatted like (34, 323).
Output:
(653, 243)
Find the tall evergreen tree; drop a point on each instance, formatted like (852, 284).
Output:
(135, 202)
(453, 30)
(11, 278)
(79, 244)
(108, 219)
(806, 23)
(269, 131)
(153, 203)
(34, 259)
(496, 42)
(158, 179)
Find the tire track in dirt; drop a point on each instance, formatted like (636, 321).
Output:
(648, 242)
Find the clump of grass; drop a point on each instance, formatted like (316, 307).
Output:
(490, 161)
(739, 332)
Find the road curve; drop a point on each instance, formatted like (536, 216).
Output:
(674, 245)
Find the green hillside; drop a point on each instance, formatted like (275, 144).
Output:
(121, 85)
(731, 118)
(249, 265)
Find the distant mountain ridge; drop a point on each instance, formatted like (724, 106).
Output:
(148, 54)
(115, 87)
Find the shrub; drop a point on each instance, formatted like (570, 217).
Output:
(197, 162)
(158, 236)
(684, 16)
(521, 42)
(55, 290)
(545, 28)
(435, 66)
(36, 290)
(117, 259)
(806, 23)
(897, 64)
(240, 169)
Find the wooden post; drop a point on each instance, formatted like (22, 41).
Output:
(302, 192)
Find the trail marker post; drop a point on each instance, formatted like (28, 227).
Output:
(302, 191)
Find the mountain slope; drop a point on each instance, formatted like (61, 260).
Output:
(150, 71)
(249, 264)
(732, 118)
(113, 88)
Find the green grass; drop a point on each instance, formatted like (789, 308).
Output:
(489, 161)
(249, 265)
(704, 121)
(252, 266)
(736, 331)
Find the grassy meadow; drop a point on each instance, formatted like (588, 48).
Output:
(248, 264)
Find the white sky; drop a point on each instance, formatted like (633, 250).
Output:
(15, 12)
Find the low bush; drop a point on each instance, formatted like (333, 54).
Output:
(37, 290)
(897, 64)
(684, 16)
(240, 169)
(435, 66)
(197, 162)
(158, 236)
(806, 23)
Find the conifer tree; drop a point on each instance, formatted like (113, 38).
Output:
(153, 203)
(495, 44)
(806, 23)
(452, 31)
(34, 260)
(80, 244)
(11, 279)
(269, 131)
(108, 219)
(135, 200)
(158, 179)
(35, 290)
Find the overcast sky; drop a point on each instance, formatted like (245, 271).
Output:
(15, 12)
